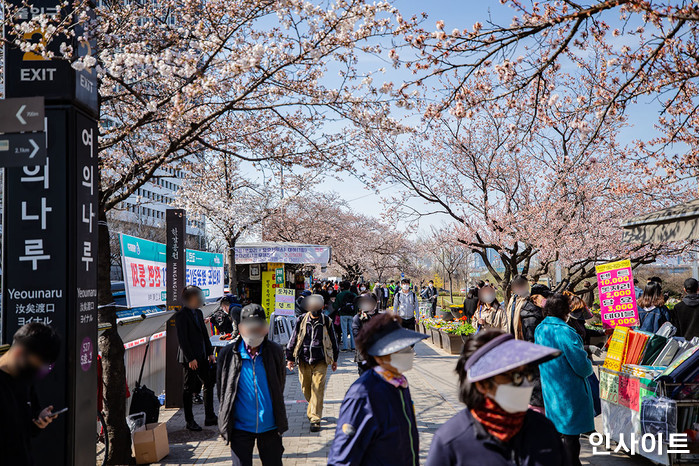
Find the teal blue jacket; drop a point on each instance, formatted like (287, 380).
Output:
(567, 394)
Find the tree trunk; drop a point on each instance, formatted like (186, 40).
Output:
(232, 272)
(451, 290)
(112, 348)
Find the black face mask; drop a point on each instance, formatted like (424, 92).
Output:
(315, 312)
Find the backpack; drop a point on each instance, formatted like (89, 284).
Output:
(144, 399)
(347, 307)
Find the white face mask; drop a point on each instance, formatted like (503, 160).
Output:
(512, 398)
(363, 288)
(403, 361)
(405, 287)
(253, 341)
(431, 285)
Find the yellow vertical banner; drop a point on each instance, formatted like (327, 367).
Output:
(268, 292)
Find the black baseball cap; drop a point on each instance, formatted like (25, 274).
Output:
(253, 314)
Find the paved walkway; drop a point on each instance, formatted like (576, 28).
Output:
(433, 387)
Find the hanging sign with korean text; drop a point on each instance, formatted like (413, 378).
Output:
(283, 253)
(269, 286)
(285, 302)
(616, 294)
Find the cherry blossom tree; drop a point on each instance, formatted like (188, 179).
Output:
(361, 245)
(450, 256)
(537, 185)
(621, 51)
(234, 202)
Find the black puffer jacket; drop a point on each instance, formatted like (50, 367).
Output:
(228, 375)
(531, 316)
(688, 316)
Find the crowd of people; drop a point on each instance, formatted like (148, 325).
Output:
(525, 377)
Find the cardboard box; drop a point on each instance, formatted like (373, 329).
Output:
(150, 445)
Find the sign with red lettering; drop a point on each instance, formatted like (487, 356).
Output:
(144, 265)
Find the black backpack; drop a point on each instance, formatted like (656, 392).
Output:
(347, 307)
(144, 399)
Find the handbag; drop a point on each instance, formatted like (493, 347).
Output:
(594, 390)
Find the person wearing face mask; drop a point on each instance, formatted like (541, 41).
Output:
(405, 305)
(496, 429)
(35, 347)
(376, 424)
(381, 293)
(196, 355)
(250, 378)
(488, 313)
(313, 347)
(367, 304)
(564, 381)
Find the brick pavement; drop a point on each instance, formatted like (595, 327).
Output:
(433, 387)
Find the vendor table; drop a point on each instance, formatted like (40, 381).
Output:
(621, 396)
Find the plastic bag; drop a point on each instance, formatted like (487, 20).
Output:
(136, 422)
(658, 416)
(667, 330)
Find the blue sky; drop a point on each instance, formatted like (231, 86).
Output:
(456, 14)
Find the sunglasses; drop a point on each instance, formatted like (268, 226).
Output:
(518, 377)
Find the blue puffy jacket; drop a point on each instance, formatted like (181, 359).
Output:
(376, 425)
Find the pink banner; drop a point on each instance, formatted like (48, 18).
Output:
(616, 294)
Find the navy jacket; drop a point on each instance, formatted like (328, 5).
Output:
(463, 441)
(376, 425)
(653, 318)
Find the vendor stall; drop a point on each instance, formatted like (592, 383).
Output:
(268, 273)
(274, 274)
(649, 391)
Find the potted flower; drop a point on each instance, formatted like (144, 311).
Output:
(433, 327)
(452, 335)
(457, 310)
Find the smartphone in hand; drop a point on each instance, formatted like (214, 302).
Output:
(56, 413)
